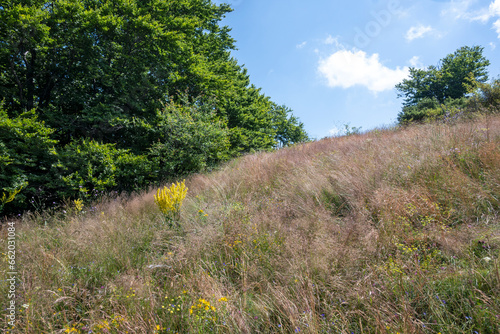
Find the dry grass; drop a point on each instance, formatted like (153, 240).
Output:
(386, 232)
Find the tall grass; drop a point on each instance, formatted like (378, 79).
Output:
(390, 231)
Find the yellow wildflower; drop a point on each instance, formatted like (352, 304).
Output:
(169, 200)
(78, 204)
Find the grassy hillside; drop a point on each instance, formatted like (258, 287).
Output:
(393, 231)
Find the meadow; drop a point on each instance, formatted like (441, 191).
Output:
(391, 231)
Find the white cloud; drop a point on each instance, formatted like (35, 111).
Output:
(418, 32)
(482, 15)
(460, 10)
(335, 131)
(347, 68)
(495, 7)
(496, 25)
(301, 45)
(415, 62)
(331, 40)
(493, 46)
(492, 11)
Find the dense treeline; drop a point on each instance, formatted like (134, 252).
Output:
(457, 86)
(120, 94)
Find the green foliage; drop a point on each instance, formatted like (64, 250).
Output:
(430, 109)
(90, 168)
(27, 158)
(465, 66)
(119, 89)
(190, 138)
(486, 96)
(84, 64)
(96, 60)
(89, 165)
(351, 130)
(427, 90)
(183, 137)
(418, 112)
(289, 130)
(250, 121)
(450, 80)
(134, 172)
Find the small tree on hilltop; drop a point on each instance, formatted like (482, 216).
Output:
(457, 74)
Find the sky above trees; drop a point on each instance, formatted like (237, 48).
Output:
(337, 63)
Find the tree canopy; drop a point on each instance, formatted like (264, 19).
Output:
(428, 92)
(151, 83)
(449, 80)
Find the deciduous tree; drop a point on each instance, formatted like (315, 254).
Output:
(450, 80)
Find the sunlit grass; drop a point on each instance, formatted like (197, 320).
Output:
(390, 231)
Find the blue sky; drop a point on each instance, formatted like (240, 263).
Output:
(336, 62)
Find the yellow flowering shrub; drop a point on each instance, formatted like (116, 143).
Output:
(78, 204)
(6, 198)
(169, 200)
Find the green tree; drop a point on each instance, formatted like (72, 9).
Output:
(187, 138)
(486, 97)
(123, 93)
(183, 137)
(450, 80)
(27, 159)
(431, 109)
(83, 64)
(466, 66)
(289, 130)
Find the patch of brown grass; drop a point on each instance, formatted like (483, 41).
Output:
(351, 234)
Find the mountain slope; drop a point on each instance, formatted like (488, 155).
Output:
(390, 231)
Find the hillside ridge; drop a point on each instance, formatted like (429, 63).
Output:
(391, 231)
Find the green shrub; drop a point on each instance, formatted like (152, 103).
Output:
(27, 159)
(188, 138)
(91, 168)
(182, 138)
(487, 96)
(431, 109)
(185, 138)
(134, 172)
(417, 112)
